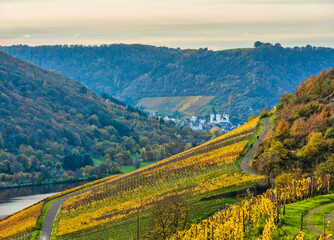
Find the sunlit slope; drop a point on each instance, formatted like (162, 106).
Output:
(190, 105)
(21, 221)
(203, 171)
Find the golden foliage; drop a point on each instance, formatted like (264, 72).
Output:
(21, 221)
(200, 170)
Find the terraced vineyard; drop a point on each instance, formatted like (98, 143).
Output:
(243, 220)
(114, 208)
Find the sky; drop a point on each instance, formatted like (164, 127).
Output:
(215, 24)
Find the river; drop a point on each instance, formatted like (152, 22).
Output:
(15, 199)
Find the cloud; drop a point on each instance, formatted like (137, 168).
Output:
(175, 23)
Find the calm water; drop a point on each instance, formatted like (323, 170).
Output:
(15, 199)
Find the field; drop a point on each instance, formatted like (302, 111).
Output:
(191, 105)
(122, 208)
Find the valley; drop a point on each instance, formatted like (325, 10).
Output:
(174, 144)
(242, 81)
(166, 120)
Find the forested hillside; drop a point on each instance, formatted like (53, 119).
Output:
(302, 138)
(242, 81)
(50, 123)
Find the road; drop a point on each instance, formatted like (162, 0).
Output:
(245, 164)
(50, 217)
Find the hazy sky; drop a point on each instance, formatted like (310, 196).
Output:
(216, 24)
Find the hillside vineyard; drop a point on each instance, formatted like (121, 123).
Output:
(107, 207)
(196, 173)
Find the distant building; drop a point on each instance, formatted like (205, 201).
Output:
(167, 118)
(193, 118)
(227, 117)
(212, 117)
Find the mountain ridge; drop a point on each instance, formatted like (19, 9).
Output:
(243, 81)
(50, 122)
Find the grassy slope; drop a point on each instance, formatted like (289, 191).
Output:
(317, 218)
(55, 227)
(291, 220)
(128, 169)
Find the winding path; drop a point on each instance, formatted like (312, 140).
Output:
(309, 225)
(245, 164)
(50, 217)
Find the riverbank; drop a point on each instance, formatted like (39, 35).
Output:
(125, 169)
(15, 199)
(55, 181)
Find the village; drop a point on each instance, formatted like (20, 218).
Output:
(202, 123)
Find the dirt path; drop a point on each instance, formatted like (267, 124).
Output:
(50, 217)
(330, 217)
(309, 225)
(245, 164)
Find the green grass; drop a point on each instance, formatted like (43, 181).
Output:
(273, 119)
(205, 209)
(98, 161)
(127, 169)
(291, 220)
(318, 217)
(251, 141)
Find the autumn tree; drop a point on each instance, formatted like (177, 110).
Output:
(283, 129)
(143, 154)
(170, 214)
(264, 113)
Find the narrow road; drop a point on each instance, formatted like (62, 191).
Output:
(245, 164)
(50, 217)
(309, 225)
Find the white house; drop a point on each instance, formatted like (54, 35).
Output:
(212, 117)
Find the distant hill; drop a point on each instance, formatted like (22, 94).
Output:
(49, 122)
(302, 138)
(242, 81)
